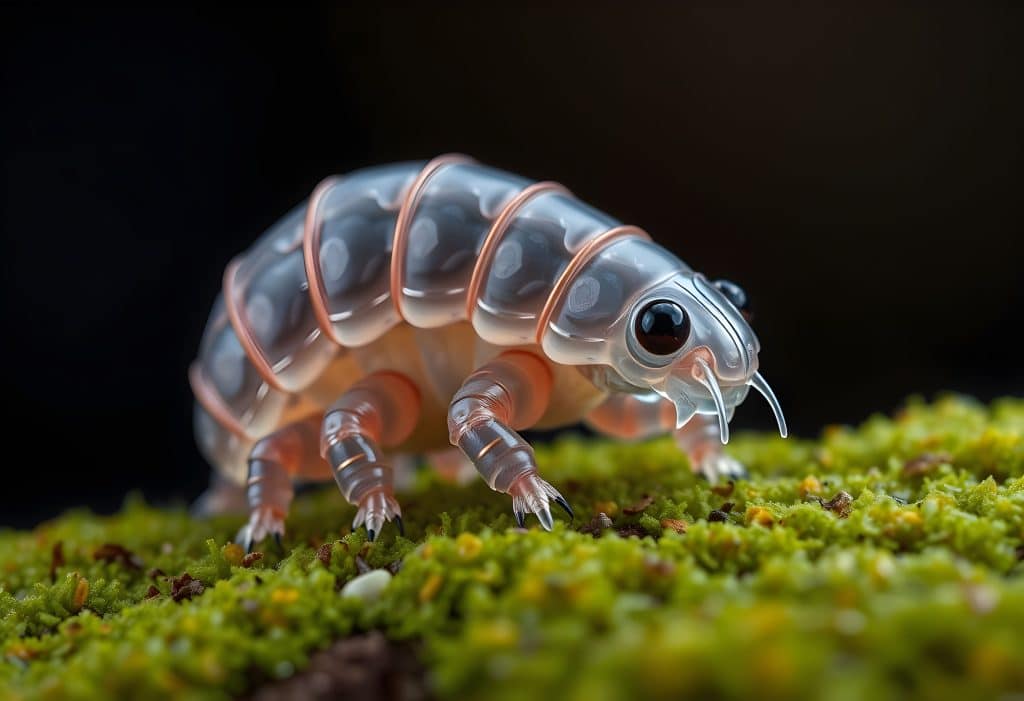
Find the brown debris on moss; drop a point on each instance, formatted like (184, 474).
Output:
(184, 587)
(721, 514)
(599, 523)
(112, 552)
(323, 554)
(925, 463)
(81, 593)
(840, 504)
(56, 559)
(640, 506)
(724, 490)
(675, 524)
(631, 530)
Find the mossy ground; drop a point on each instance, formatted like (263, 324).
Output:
(915, 588)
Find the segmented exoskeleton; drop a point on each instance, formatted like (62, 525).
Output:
(403, 295)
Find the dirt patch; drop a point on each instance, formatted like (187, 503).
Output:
(365, 667)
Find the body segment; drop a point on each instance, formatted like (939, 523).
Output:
(402, 298)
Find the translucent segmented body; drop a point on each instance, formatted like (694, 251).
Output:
(404, 299)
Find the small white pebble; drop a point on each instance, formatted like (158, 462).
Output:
(850, 621)
(367, 587)
(982, 599)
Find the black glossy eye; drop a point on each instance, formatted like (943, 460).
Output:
(662, 327)
(735, 294)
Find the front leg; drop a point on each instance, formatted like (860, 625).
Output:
(699, 438)
(639, 416)
(510, 392)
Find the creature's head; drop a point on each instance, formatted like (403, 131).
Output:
(641, 313)
(690, 341)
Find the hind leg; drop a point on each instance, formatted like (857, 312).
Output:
(452, 466)
(273, 464)
(404, 467)
(634, 417)
(223, 496)
(512, 391)
(381, 410)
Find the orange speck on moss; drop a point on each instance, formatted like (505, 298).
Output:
(233, 553)
(430, 588)
(991, 663)
(468, 546)
(21, 652)
(533, 589)
(809, 485)
(286, 595)
(760, 516)
(81, 594)
(498, 633)
(675, 524)
(908, 518)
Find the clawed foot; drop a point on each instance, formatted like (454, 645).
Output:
(531, 494)
(375, 509)
(718, 466)
(263, 521)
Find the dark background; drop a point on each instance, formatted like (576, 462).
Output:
(857, 170)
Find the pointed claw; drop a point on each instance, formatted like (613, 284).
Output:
(401, 525)
(278, 543)
(560, 500)
(532, 495)
(248, 543)
(375, 523)
(717, 466)
(544, 516)
(371, 534)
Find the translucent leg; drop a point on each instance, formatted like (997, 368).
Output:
(382, 409)
(633, 416)
(223, 496)
(511, 391)
(452, 465)
(273, 463)
(638, 416)
(699, 439)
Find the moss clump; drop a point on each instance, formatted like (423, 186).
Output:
(882, 561)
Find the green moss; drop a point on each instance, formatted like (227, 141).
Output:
(915, 588)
